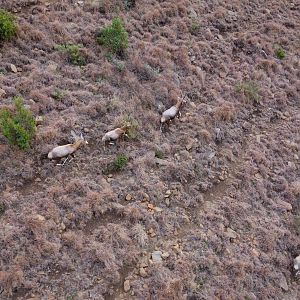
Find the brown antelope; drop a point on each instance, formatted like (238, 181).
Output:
(115, 134)
(65, 150)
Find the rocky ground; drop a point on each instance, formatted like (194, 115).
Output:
(217, 215)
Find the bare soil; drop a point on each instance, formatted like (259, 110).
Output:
(222, 203)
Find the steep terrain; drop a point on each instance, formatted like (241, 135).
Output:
(221, 202)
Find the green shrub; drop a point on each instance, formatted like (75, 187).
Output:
(18, 127)
(250, 90)
(120, 162)
(8, 28)
(280, 53)
(128, 120)
(194, 28)
(74, 55)
(58, 95)
(159, 154)
(2, 209)
(114, 37)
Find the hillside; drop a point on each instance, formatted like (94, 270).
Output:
(206, 208)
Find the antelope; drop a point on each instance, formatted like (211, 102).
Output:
(65, 150)
(115, 134)
(171, 113)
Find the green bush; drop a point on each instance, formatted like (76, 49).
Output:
(8, 28)
(120, 162)
(250, 90)
(280, 53)
(159, 154)
(18, 127)
(114, 37)
(74, 55)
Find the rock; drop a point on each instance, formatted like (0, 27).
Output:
(167, 201)
(13, 68)
(165, 255)
(282, 283)
(150, 206)
(38, 179)
(285, 205)
(62, 226)
(157, 209)
(168, 192)
(126, 286)
(143, 272)
(297, 263)
(128, 197)
(192, 13)
(110, 175)
(230, 233)
(189, 145)
(161, 162)
(39, 120)
(156, 256)
(2, 93)
(86, 130)
(39, 218)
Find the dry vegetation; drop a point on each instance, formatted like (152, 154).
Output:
(217, 192)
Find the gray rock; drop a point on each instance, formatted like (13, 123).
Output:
(13, 68)
(156, 256)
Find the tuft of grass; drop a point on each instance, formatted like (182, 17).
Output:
(58, 95)
(8, 28)
(159, 154)
(194, 28)
(297, 223)
(250, 89)
(114, 37)
(120, 162)
(18, 127)
(279, 52)
(132, 131)
(2, 209)
(74, 55)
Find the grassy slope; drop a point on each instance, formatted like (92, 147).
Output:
(68, 231)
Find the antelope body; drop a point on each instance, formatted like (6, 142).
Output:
(62, 151)
(114, 134)
(171, 112)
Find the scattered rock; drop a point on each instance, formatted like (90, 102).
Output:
(167, 200)
(110, 175)
(13, 68)
(157, 209)
(126, 286)
(297, 263)
(282, 283)
(150, 206)
(143, 272)
(128, 197)
(62, 226)
(285, 205)
(168, 192)
(189, 145)
(86, 130)
(165, 255)
(2, 93)
(230, 233)
(156, 256)
(39, 218)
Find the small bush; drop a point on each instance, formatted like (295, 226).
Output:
(280, 53)
(2, 209)
(18, 128)
(114, 37)
(8, 28)
(250, 90)
(194, 28)
(159, 154)
(132, 131)
(120, 162)
(74, 55)
(58, 95)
